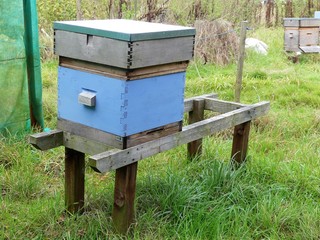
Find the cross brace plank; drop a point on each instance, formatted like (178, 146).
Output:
(115, 159)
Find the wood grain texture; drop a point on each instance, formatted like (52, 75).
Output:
(112, 160)
(196, 115)
(47, 140)
(310, 22)
(309, 36)
(166, 51)
(240, 143)
(83, 144)
(311, 49)
(220, 106)
(188, 103)
(123, 212)
(243, 35)
(122, 54)
(291, 39)
(101, 50)
(153, 134)
(90, 133)
(123, 74)
(74, 180)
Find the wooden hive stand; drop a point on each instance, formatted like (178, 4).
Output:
(125, 161)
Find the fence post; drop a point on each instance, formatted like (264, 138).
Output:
(196, 115)
(243, 36)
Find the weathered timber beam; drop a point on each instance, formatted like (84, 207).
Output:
(47, 140)
(110, 160)
(188, 103)
(84, 145)
(221, 106)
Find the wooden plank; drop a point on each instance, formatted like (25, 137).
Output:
(221, 106)
(112, 160)
(128, 55)
(99, 50)
(311, 49)
(310, 22)
(124, 74)
(291, 22)
(124, 194)
(124, 29)
(188, 103)
(74, 180)
(166, 51)
(91, 133)
(240, 143)
(47, 140)
(291, 39)
(83, 144)
(196, 115)
(152, 134)
(308, 36)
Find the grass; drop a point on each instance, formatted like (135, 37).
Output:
(275, 195)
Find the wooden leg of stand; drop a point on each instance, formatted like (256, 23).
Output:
(197, 114)
(124, 194)
(74, 180)
(240, 142)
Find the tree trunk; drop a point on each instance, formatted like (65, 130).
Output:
(109, 9)
(79, 13)
(269, 12)
(288, 9)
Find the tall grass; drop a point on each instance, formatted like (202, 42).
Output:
(275, 195)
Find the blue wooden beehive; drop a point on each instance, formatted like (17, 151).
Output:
(121, 78)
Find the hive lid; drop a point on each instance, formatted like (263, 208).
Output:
(126, 30)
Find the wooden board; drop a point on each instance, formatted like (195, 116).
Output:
(291, 39)
(291, 22)
(310, 22)
(124, 74)
(311, 49)
(113, 160)
(308, 37)
(220, 106)
(152, 134)
(47, 140)
(125, 30)
(155, 52)
(90, 133)
(127, 55)
(90, 140)
(99, 50)
(301, 22)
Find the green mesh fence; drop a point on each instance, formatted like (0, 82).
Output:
(14, 93)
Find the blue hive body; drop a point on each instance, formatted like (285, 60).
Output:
(122, 107)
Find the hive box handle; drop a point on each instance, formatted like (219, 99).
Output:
(87, 98)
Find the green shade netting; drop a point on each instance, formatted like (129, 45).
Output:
(14, 93)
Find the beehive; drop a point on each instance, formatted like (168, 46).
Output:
(301, 34)
(121, 78)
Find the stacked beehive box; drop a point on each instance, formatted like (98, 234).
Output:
(121, 82)
(301, 35)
